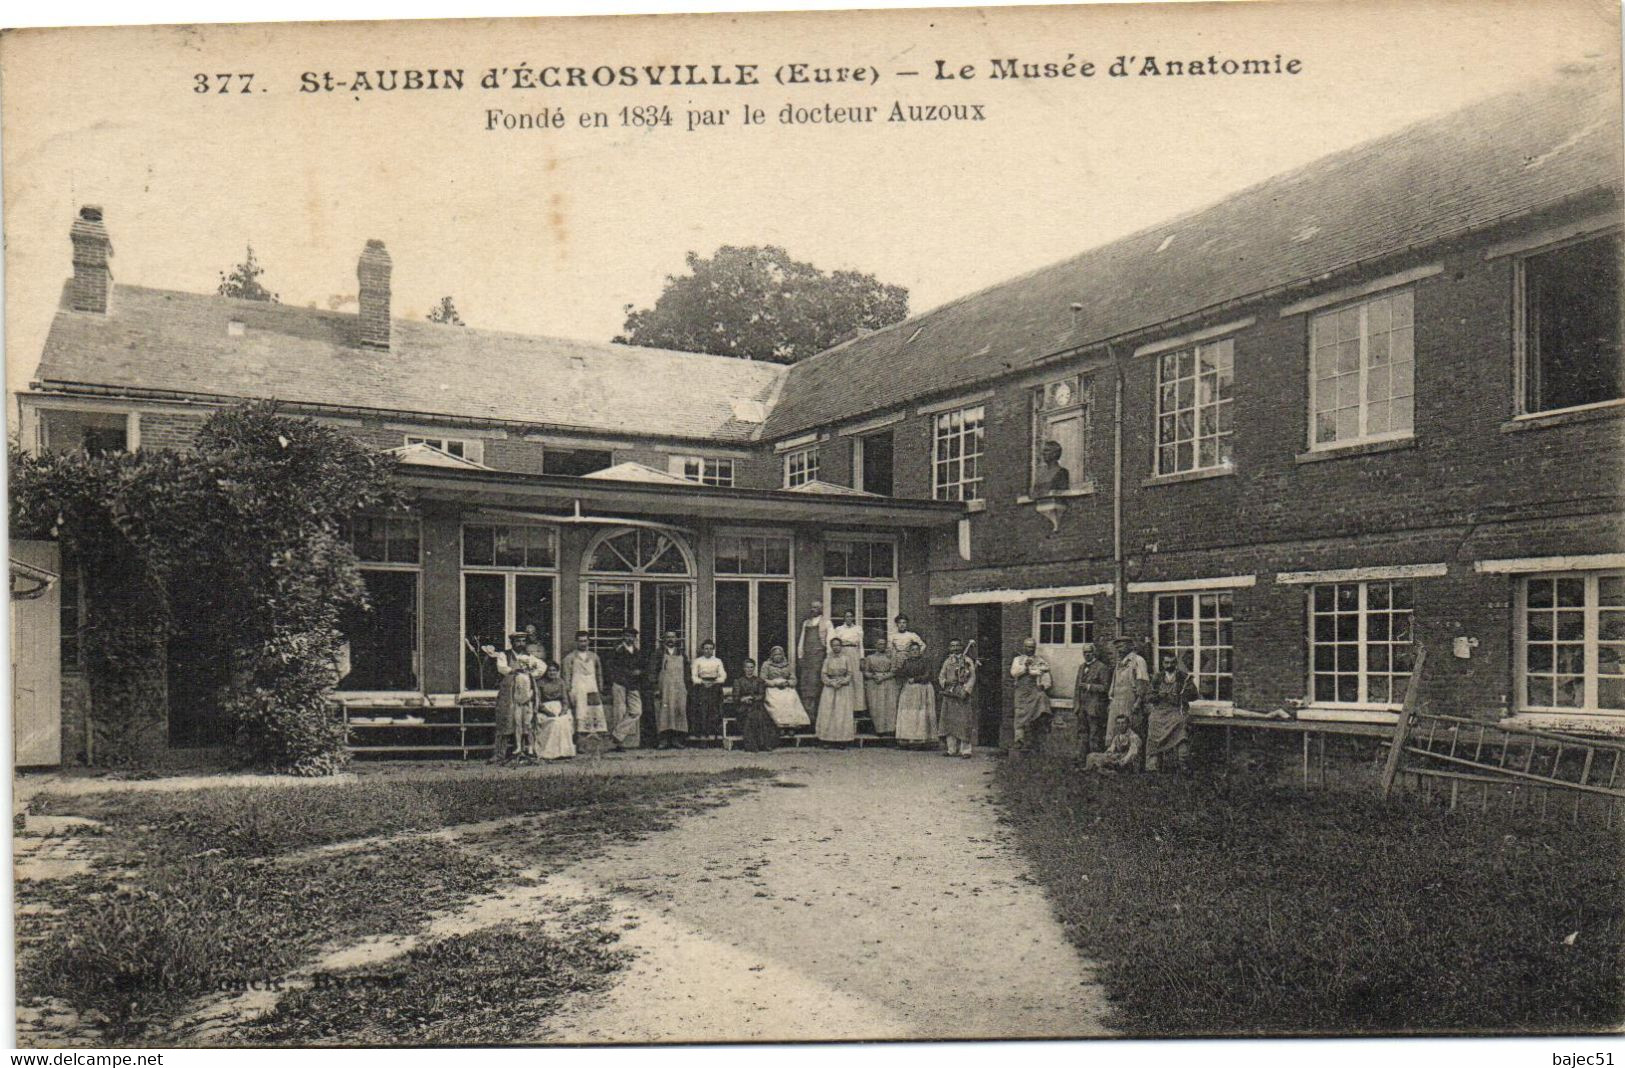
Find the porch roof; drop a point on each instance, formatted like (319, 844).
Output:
(565, 496)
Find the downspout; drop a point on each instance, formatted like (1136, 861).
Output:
(1119, 576)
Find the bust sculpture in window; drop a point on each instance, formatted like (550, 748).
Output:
(1052, 477)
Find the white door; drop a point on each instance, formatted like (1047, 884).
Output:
(36, 664)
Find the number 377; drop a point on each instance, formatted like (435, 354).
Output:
(222, 83)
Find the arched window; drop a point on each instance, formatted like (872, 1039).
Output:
(636, 551)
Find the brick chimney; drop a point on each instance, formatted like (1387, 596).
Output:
(373, 274)
(92, 248)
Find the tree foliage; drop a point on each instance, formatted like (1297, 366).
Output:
(759, 304)
(241, 539)
(244, 281)
(446, 312)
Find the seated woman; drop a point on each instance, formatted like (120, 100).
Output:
(758, 733)
(553, 730)
(837, 724)
(917, 705)
(783, 703)
(1122, 752)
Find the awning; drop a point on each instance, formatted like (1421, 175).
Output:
(566, 495)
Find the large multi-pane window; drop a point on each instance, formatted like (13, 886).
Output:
(752, 601)
(1360, 642)
(706, 470)
(1572, 629)
(800, 467)
(956, 466)
(380, 650)
(1570, 339)
(860, 577)
(1195, 417)
(860, 558)
(1066, 623)
(509, 585)
(1362, 361)
(1196, 628)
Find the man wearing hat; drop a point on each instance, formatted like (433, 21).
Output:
(626, 671)
(1091, 690)
(1131, 682)
(516, 694)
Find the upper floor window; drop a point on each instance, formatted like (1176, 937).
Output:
(800, 467)
(1569, 340)
(557, 460)
(460, 447)
(706, 470)
(96, 432)
(957, 462)
(1362, 370)
(1060, 435)
(1195, 417)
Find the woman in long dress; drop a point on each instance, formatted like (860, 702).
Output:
(835, 720)
(758, 732)
(917, 705)
(783, 703)
(881, 687)
(671, 693)
(705, 699)
(850, 634)
(811, 649)
(553, 736)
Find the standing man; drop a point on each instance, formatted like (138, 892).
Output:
(957, 716)
(1032, 677)
(583, 675)
(1131, 683)
(516, 695)
(627, 675)
(669, 672)
(1090, 693)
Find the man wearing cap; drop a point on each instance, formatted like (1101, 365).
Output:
(1131, 682)
(626, 671)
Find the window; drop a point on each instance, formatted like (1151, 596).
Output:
(1060, 415)
(510, 545)
(561, 461)
(706, 470)
(1066, 623)
(1196, 628)
(506, 588)
(872, 463)
(800, 467)
(1360, 642)
(380, 651)
(1569, 336)
(751, 554)
(385, 539)
(460, 447)
(860, 558)
(639, 552)
(1195, 416)
(957, 465)
(62, 430)
(1363, 366)
(1572, 629)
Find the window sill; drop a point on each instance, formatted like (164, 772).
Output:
(1564, 416)
(1612, 723)
(381, 698)
(1188, 476)
(1083, 490)
(1359, 448)
(1337, 714)
(978, 505)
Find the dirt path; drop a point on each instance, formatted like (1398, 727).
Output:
(864, 895)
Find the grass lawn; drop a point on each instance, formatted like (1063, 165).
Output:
(203, 890)
(1225, 906)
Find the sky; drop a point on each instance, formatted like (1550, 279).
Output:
(556, 231)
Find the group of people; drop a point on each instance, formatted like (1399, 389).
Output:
(1127, 718)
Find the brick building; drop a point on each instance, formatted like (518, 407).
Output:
(1371, 402)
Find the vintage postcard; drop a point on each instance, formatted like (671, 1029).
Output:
(885, 525)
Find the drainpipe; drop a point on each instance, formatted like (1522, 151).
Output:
(1119, 576)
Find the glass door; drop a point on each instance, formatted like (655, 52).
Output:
(611, 608)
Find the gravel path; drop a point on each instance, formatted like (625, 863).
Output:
(864, 895)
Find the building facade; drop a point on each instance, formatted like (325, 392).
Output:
(1368, 404)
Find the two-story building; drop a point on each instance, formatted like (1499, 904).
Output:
(1372, 402)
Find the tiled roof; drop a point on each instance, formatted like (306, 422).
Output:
(155, 339)
(1493, 159)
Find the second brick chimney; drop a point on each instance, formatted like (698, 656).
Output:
(92, 248)
(373, 274)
